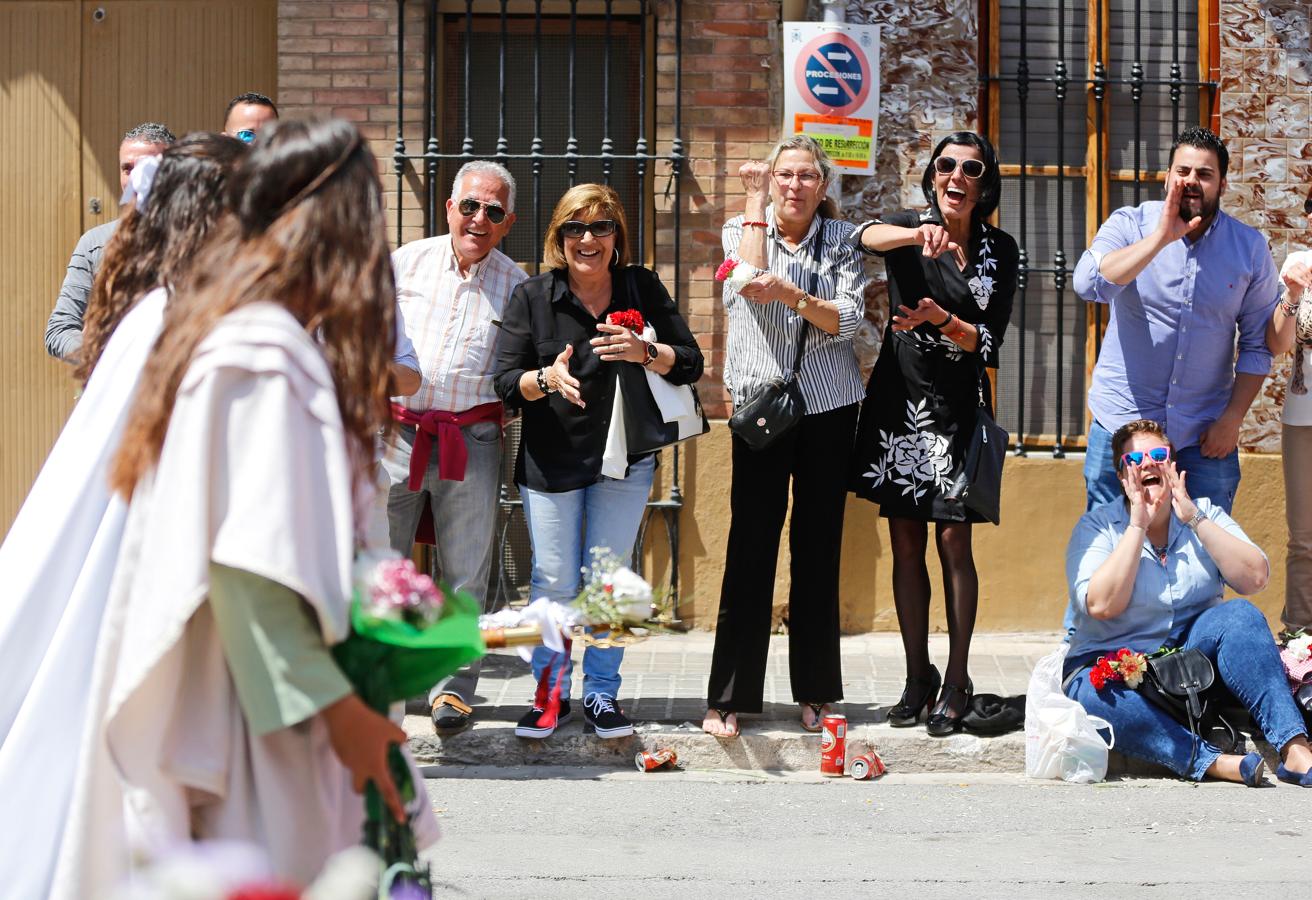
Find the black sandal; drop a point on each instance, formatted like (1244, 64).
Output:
(819, 710)
(917, 700)
(943, 721)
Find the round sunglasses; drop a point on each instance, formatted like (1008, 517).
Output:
(1136, 457)
(946, 165)
(469, 208)
(600, 228)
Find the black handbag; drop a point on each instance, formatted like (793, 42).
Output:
(778, 407)
(1183, 684)
(645, 428)
(979, 484)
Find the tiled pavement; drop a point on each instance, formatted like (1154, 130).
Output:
(665, 677)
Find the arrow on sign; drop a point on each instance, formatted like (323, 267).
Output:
(821, 89)
(839, 55)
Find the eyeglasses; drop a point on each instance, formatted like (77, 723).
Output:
(1136, 457)
(783, 176)
(246, 136)
(971, 168)
(600, 228)
(469, 208)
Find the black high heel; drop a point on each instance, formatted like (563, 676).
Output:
(946, 722)
(917, 698)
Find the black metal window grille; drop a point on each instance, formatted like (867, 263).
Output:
(1084, 99)
(560, 96)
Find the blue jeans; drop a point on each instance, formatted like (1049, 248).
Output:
(1215, 479)
(1235, 636)
(564, 527)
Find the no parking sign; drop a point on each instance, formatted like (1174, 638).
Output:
(831, 89)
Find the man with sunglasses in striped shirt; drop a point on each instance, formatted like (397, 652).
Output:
(444, 461)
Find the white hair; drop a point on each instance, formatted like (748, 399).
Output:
(485, 167)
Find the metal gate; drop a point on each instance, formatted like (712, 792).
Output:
(1068, 160)
(559, 97)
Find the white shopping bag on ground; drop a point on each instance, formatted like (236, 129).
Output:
(1061, 739)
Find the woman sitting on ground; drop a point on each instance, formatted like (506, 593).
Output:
(1148, 571)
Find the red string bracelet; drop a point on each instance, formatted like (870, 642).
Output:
(755, 225)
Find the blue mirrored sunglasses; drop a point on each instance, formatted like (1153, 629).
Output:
(246, 136)
(1135, 457)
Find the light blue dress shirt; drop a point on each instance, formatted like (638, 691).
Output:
(1169, 353)
(1166, 597)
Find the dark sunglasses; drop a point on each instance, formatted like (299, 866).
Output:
(469, 208)
(1135, 457)
(971, 168)
(600, 228)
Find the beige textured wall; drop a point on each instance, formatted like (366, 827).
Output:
(1021, 562)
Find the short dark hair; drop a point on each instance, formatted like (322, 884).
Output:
(1197, 136)
(254, 98)
(149, 133)
(990, 183)
(1122, 436)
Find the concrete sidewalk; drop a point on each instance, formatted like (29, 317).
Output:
(664, 692)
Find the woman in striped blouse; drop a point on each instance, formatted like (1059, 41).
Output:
(811, 290)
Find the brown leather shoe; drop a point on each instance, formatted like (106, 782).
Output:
(450, 715)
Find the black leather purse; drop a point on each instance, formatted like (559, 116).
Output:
(979, 485)
(778, 407)
(1183, 684)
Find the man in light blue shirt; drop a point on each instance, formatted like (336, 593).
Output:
(1181, 278)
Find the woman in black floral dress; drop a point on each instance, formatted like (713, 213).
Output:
(951, 277)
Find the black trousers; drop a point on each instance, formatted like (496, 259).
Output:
(815, 456)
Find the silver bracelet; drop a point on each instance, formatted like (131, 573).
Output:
(1197, 520)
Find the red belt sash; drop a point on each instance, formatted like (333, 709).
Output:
(452, 455)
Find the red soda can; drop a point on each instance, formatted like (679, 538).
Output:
(867, 766)
(833, 745)
(650, 761)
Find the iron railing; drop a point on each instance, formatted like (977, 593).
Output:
(1129, 76)
(453, 45)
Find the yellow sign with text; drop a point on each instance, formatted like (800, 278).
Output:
(849, 142)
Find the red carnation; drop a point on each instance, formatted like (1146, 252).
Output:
(726, 268)
(1102, 673)
(626, 318)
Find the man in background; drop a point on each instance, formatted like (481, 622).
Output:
(64, 330)
(246, 114)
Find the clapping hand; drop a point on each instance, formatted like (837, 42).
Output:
(559, 379)
(768, 287)
(1181, 503)
(615, 343)
(1142, 509)
(926, 311)
(1297, 279)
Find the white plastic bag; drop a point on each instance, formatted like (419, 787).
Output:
(1061, 739)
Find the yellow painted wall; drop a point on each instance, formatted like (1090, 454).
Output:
(1021, 562)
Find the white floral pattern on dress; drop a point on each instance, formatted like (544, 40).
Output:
(916, 460)
(981, 285)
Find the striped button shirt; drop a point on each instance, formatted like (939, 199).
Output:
(452, 318)
(762, 340)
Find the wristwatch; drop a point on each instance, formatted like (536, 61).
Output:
(1197, 520)
(652, 353)
(802, 302)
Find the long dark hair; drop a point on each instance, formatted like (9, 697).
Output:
(990, 183)
(308, 234)
(158, 245)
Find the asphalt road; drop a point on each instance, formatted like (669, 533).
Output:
(568, 832)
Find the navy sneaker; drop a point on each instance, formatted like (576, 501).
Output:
(602, 717)
(531, 726)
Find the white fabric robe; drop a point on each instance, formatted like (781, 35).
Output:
(55, 568)
(254, 474)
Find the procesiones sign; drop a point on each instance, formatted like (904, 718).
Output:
(831, 89)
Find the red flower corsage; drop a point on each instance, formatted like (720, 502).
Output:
(627, 318)
(726, 268)
(1123, 665)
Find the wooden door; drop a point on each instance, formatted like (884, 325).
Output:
(74, 76)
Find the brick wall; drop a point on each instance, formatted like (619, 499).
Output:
(340, 59)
